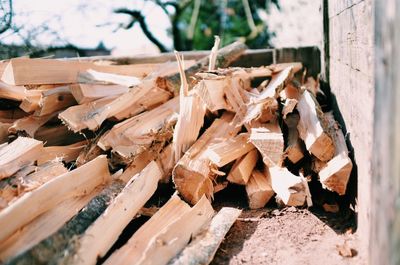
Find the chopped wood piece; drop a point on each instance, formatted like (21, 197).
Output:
(53, 100)
(203, 247)
(269, 141)
(259, 189)
(67, 153)
(17, 93)
(21, 152)
(266, 100)
(225, 57)
(25, 71)
(227, 151)
(12, 114)
(335, 175)
(194, 173)
(4, 132)
(311, 128)
(59, 135)
(132, 251)
(90, 152)
(92, 76)
(137, 165)
(214, 53)
(296, 66)
(55, 249)
(92, 114)
(102, 234)
(135, 135)
(288, 107)
(291, 189)
(43, 226)
(242, 168)
(293, 150)
(191, 116)
(166, 162)
(75, 183)
(30, 103)
(30, 124)
(155, 97)
(84, 116)
(212, 93)
(89, 92)
(177, 235)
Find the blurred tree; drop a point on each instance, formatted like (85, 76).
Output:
(195, 22)
(6, 14)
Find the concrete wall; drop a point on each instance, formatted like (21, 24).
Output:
(350, 24)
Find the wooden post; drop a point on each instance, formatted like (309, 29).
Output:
(385, 190)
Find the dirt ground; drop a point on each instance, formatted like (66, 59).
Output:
(287, 236)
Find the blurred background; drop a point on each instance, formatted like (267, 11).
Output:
(48, 28)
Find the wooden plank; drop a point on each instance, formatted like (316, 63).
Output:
(194, 174)
(137, 244)
(89, 92)
(53, 100)
(269, 142)
(203, 247)
(75, 183)
(227, 151)
(335, 175)
(24, 71)
(19, 153)
(101, 235)
(259, 190)
(242, 168)
(312, 130)
(17, 93)
(43, 226)
(92, 76)
(177, 234)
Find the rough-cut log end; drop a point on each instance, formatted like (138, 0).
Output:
(191, 185)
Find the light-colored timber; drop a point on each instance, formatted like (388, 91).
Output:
(242, 168)
(259, 189)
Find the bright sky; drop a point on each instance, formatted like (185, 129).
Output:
(86, 23)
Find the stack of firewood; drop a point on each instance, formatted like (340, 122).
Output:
(84, 146)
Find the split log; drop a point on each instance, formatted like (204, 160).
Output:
(12, 114)
(155, 97)
(75, 183)
(135, 135)
(242, 168)
(291, 189)
(92, 76)
(44, 226)
(227, 151)
(293, 150)
(191, 116)
(29, 125)
(194, 173)
(25, 71)
(166, 162)
(30, 103)
(177, 235)
(66, 153)
(21, 152)
(203, 247)
(132, 251)
(89, 92)
(269, 141)
(4, 127)
(59, 135)
(288, 107)
(55, 249)
(90, 152)
(17, 93)
(224, 58)
(335, 175)
(259, 189)
(55, 99)
(266, 100)
(92, 114)
(102, 234)
(312, 130)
